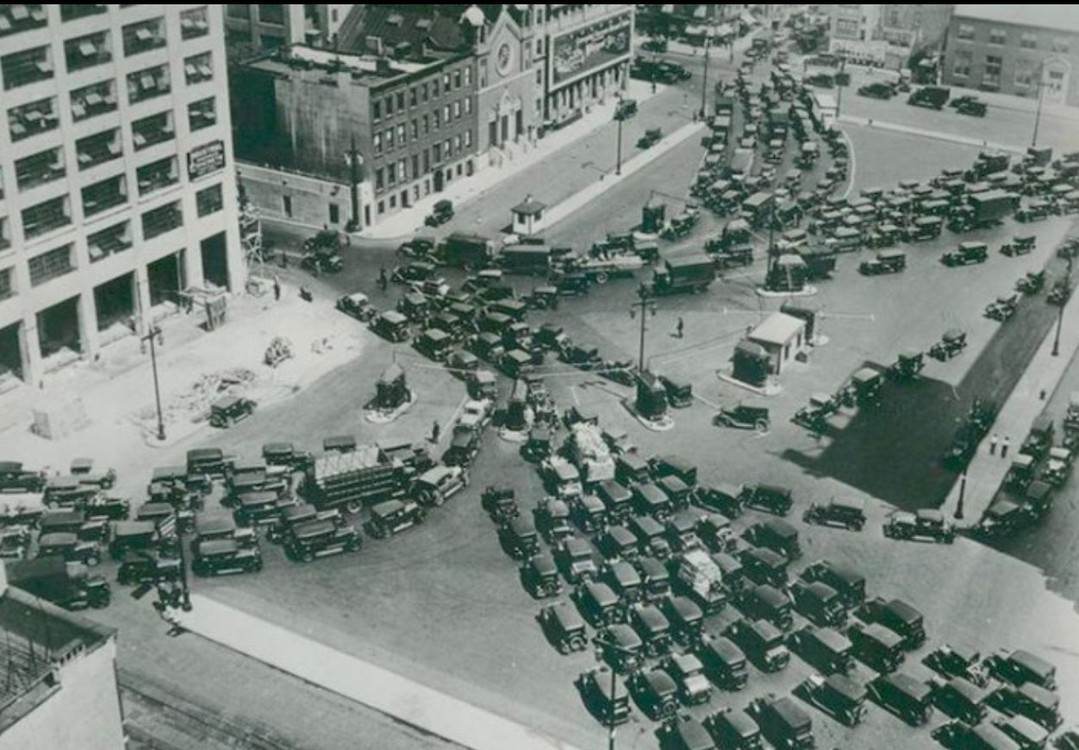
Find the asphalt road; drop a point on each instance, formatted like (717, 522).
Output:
(442, 602)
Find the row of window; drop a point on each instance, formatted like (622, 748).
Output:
(420, 93)
(41, 116)
(398, 136)
(398, 172)
(1026, 71)
(32, 65)
(466, 169)
(1027, 39)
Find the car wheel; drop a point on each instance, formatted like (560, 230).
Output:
(307, 557)
(92, 561)
(352, 506)
(761, 426)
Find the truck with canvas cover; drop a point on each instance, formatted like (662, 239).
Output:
(354, 479)
(741, 163)
(687, 273)
(590, 453)
(700, 578)
(461, 249)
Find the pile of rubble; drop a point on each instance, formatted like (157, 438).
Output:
(194, 404)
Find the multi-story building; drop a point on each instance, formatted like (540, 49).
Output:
(1015, 49)
(586, 51)
(59, 689)
(885, 34)
(272, 25)
(117, 190)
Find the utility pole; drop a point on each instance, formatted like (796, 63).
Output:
(1038, 109)
(704, 81)
(1063, 302)
(354, 162)
(152, 335)
(619, 115)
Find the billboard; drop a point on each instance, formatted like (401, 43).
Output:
(578, 52)
(205, 159)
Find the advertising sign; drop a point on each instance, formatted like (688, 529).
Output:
(205, 159)
(576, 53)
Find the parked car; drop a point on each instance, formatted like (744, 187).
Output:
(906, 697)
(564, 627)
(837, 695)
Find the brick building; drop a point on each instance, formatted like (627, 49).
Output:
(266, 26)
(117, 192)
(1015, 49)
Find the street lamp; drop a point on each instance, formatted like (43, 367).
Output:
(645, 303)
(1038, 109)
(704, 79)
(354, 161)
(619, 115)
(601, 644)
(155, 334)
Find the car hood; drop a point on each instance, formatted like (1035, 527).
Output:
(696, 684)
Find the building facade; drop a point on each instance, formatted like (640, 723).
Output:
(59, 689)
(586, 51)
(268, 26)
(1020, 50)
(885, 35)
(117, 188)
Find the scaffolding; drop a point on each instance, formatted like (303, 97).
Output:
(250, 233)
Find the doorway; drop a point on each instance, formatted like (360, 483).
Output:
(215, 263)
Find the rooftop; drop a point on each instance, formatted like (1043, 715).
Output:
(364, 68)
(777, 328)
(36, 635)
(1056, 17)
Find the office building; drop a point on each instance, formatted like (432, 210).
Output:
(117, 192)
(1015, 49)
(272, 25)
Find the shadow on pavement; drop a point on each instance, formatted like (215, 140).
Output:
(893, 452)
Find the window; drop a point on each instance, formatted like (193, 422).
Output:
(434, 89)
(45, 217)
(468, 105)
(378, 143)
(144, 36)
(376, 111)
(437, 120)
(209, 200)
(539, 47)
(75, 12)
(425, 92)
(457, 143)
(1060, 44)
(415, 166)
(412, 96)
(166, 218)
(446, 82)
(468, 139)
(998, 36)
(402, 169)
(446, 113)
(389, 105)
(93, 100)
(436, 153)
(87, 51)
(1028, 41)
(153, 129)
(381, 207)
(426, 161)
(114, 239)
(148, 83)
(965, 31)
(963, 60)
(457, 79)
(393, 201)
(271, 41)
(40, 168)
(286, 205)
(202, 114)
(1024, 73)
(194, 23)
(157, 175)
(98, 148)
(198, 68)
(539, 76)
(391, 174)
(50, 265)
(992, 65)
(30, 119)
(457, 109)
(104, 195)
(449, 148)
(272, 13)
(22, 17)
(415, 129)
(389, 139)
(241, 12)
(426, 125)
(380, 177)
(400, 101)
(26, 67)
(6, 287)
(335, 214)
(468, 76)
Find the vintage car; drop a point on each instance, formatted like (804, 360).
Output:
(357, 305)
(313, 539)
(1020, 667)
(906, 697)
(604, 696)
(845, 512)
(391, 517)
(212, 557)
(836, 695)
(951, 343)
(744, 417)
(563, 627)
(898, 616)
(922, 525)
(518, 537)
(768, 497)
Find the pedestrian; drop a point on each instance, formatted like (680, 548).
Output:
(382, 282)
(276, 289)
(681, 327)
(436, 430)
(284, 259)
(1004, 447)
(993, 445)
(653, 87)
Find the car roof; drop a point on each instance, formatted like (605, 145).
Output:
(313, 528)
(830, 637)
(660, 681)
(685, 608)
(624, 636)
(993, 738)
(650, 616)
(543, 563)
(622, 536)
(601, 593)
(650, 493)
(57, 538)
(217, 546)
(904, 611)
(780, 527)
(880, 633)
(574, 545)
(522, 525)
(1032, 662)
(213, 524)
(846, 687)
(770, 595)
(386, 508)
(568, 617)
(787, 711)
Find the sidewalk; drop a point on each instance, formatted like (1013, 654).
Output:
(937, 135)
(409, 702)
(408, 222)
(986, 472)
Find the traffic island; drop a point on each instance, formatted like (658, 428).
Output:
(392, 398)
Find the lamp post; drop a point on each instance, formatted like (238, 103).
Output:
(704, 79)
(1063, 302)
(601, 644)
(619, 115)
(962, 491)
(355, 161)
(645, 303)
(155, 334)
(839, 85)
(1038, 109)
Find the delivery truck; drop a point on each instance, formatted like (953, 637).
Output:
(688, 273)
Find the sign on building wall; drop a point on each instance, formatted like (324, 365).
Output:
(205, 159)
(576, 53)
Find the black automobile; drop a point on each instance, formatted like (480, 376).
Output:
(783, 723)
(564, 627)
(764, 566)
(686, 619)
(604, 696)
(392, 517)
(15, 478)
(655, 692)
(723, 662)
(776, 535)
(314, 539)
(899, 617)
(762, 643)
(828, 650)
(621, 647)
(876, 647)
(744, 417)
(441, 212)
(836, 695)
(653, 628)
(228, 411)
(214, 557)
(734, 730)
(877, 90)
(960, 699)
(1034, 702)
(906, 697)
(849, 583)
(539, 574)
(841, 512)
(768, 497)
(768, 603)
(518, 537)
(819, 603)
(148, 567)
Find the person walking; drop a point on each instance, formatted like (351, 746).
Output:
(1004, 447)
(681, 328)
(276, 289)
(993, 445)
(436, 430)
(382, 281)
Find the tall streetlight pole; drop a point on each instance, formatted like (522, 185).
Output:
(611, 723)
(704, 80)
(355, 161)
(1038, 109)
(619, 115)
(1063, 302)
(644, 303)
(154, 334)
